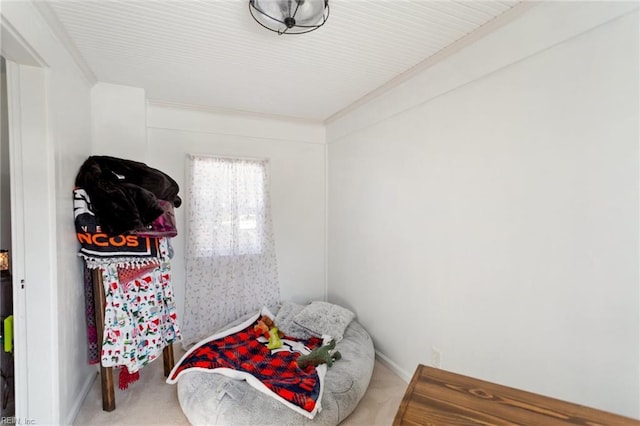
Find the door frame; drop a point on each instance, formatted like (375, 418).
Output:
(17, 237)
(36, 374)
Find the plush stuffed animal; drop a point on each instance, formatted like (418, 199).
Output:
(274, 339)
(319, 356)
(264, 325)
(262, 328)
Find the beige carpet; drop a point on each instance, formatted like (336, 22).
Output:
(151, 401)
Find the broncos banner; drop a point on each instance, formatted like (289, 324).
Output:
(96, 244)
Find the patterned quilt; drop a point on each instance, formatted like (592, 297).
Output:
(241, 353)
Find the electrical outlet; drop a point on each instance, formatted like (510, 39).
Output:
(436, 357)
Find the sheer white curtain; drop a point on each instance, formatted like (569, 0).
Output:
(230, 249)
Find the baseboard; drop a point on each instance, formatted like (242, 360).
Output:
(75, 408)
(393, 366)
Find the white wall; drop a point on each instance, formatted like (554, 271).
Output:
(296, 153)
(70, 114)
(489, 207)
(61, 375)
(118, 125)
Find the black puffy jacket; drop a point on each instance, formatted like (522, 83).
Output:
(124, 194)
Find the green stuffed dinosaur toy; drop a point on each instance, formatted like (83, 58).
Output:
(319, 356)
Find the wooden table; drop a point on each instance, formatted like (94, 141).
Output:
(437, 397)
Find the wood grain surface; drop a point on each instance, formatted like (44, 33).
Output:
(106, 373)
(438, 397)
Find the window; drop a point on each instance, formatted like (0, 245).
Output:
(231, 266)
(228, 206)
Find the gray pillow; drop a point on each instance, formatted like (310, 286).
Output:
(284, 321)
(323, 318)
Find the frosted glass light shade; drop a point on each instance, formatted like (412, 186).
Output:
(290, 16)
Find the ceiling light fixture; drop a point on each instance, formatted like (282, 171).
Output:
(290, 16)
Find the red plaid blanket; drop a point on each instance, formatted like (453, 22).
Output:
(277, 370)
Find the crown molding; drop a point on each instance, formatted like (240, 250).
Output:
(50, 17)
(230, 111)
(15, 48)
(501, 20)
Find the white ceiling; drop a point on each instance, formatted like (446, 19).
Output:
(212, 54)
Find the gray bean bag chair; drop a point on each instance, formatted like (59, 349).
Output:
(213, 399)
